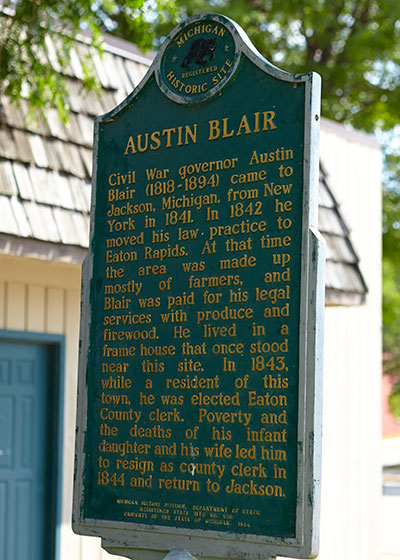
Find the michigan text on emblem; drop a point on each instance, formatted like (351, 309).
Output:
(198, 62)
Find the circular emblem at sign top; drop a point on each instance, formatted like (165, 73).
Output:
(198, 60)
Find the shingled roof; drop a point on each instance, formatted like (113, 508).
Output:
(344, 283)
(45, 171)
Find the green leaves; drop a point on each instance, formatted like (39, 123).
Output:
(353, 44)
(37, 38)
(391, 266)
(394, 400)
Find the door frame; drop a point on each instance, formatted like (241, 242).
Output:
(55, 346)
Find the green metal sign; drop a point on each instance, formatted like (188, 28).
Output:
(198, 405)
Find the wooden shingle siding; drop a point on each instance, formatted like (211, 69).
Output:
(344, 282)
(45, 167)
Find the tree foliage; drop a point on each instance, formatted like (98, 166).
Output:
(391, 276)
(353, 44)
(28, 28)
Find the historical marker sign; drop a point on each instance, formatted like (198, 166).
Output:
(199, 389)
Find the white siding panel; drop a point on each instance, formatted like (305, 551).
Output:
(16, 306)
(350, 474)
(70, 543)
(71, 313)
(352, 362)
(55, 311)
(36, 304)
(2, 304)
(47, 300)
(90, 548)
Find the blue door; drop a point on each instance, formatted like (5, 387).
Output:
(28, 402)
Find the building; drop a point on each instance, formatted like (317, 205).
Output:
(44, 216)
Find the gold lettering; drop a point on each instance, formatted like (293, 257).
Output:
(130, 147)
(244, 124)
